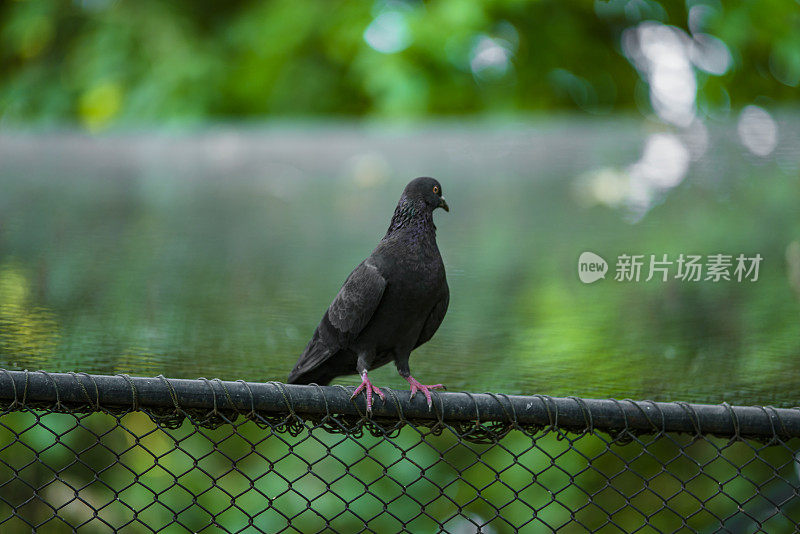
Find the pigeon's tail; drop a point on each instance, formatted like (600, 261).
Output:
(308, 370)
(313, 376)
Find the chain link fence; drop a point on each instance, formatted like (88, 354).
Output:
(115, 453)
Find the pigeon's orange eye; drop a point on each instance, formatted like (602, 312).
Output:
(436, 189)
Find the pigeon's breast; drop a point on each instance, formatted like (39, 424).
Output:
(417, 270)
(414, 284)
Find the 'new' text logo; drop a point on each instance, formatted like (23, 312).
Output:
(591, 267)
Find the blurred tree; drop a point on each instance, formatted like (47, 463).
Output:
(102, 62)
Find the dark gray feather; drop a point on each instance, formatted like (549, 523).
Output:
(434, 319)
(360, 295)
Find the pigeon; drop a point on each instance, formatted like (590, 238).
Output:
(392, 303)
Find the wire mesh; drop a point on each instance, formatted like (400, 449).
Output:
(101, 453)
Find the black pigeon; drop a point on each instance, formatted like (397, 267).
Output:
(392, 303)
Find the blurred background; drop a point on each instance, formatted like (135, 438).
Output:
(185, 185)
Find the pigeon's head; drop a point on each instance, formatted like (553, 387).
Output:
(427, 189)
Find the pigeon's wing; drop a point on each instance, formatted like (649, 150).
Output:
(347, 315)
(358, 299)
(435, 318)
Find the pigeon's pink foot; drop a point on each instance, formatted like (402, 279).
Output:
(416, 386)
(368, 389)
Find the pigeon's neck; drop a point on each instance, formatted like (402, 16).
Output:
(412, 215)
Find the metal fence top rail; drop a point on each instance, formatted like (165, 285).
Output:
(81, 392)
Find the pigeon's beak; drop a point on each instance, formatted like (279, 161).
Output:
(443, 204)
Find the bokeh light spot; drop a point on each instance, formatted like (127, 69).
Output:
(661, 55)
(100, 104)
(490, 58)
(664, 161)
(757, 130)
(388, 33)
(710, 54)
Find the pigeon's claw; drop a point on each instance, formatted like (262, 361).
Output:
(416, 386)
(368, 389)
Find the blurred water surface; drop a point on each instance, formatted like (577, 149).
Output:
(215, 253)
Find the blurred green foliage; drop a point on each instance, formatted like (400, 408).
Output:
(101, 62)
